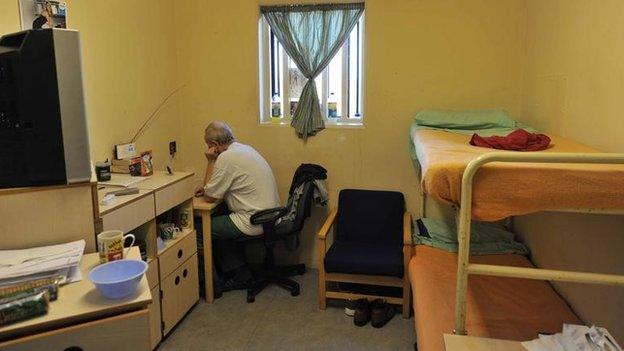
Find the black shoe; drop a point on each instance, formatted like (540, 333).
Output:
(362, 312)
(217, 288)
(235, 284)
(381, 313)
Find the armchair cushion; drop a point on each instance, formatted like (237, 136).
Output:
(363, 258)
(370, 217)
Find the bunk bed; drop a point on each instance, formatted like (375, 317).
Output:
(566, 177)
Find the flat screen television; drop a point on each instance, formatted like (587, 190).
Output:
(43, 128)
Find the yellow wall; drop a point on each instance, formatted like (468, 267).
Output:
(445, 54)
(574, 83)
(9, 16)
(128, 55)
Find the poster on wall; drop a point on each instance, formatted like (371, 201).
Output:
(43, 14)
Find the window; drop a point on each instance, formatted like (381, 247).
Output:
(339, 86)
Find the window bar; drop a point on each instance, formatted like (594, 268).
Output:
(285, 80)
(344, 111)
(325, 95)
(273, 78)
(358, 71)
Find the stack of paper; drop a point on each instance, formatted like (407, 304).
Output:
(38, 262)
(575, 338)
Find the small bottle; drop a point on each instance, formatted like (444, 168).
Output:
(332, 106)
(276, 106)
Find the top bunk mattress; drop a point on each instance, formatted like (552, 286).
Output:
(503, 189)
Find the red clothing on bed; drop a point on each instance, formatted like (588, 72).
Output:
(518, 140)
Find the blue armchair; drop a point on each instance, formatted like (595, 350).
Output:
(372, 245)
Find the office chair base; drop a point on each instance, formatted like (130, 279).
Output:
(278, 276)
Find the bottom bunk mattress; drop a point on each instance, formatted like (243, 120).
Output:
(498, 307)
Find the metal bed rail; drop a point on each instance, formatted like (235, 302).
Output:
(464, 267)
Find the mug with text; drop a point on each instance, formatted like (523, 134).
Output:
(111, 245)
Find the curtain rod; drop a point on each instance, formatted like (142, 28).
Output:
(312, 7)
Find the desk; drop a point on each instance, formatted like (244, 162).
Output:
(172, 271)
(471, 343)
(204, 209)
(81, 310)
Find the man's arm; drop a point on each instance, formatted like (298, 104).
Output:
(207, 176)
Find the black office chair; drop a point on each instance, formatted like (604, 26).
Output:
(277, 227)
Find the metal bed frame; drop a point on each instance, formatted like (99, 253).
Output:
(464, 267)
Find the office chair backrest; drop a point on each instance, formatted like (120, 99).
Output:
(302, 211)
(371, 217)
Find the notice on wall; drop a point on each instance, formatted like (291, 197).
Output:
(43, 14)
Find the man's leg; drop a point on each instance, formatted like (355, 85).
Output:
(227, 255)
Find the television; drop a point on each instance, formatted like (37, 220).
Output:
(43, 128)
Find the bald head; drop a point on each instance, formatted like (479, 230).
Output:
(218, 132)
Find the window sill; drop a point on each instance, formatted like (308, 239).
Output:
(347, 125)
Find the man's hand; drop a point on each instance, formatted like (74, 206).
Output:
(212, 154)
(199, 191)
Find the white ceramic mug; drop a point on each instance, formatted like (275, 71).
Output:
(111, 245)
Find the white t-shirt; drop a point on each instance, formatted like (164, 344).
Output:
(244, 179)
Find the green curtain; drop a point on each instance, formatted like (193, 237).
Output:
(311, 36)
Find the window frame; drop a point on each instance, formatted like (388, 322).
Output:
(264, 86)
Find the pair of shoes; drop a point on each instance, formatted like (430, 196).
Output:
(379, 312)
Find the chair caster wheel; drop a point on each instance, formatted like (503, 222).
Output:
(251, 299)
(295, 293)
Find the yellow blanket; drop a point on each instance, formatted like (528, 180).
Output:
(508, 189)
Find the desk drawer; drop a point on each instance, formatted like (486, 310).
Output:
(130, 216)
(180, 292)
(126, 332)
(152, 273)
(180, 251)
(174, 194)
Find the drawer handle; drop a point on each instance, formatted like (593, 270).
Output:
(74, 348)
(177, 280)
(185, 272)
(180, 253)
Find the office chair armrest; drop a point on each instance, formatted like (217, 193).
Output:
(268, 216)
(329, 222)
(407, 229)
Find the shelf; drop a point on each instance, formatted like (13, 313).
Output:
(173, 242)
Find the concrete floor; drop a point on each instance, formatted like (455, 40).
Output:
(277, 321)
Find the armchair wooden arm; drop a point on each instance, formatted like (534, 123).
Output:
(407, 228)
(329, 222)
(407, 256)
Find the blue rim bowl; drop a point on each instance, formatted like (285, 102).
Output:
(118, 279)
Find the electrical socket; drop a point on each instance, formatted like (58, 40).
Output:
(173, 148)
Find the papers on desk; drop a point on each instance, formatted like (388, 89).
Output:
(575, 338)
(40, 262)
(123, 180)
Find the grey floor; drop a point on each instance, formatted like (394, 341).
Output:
(277, 321)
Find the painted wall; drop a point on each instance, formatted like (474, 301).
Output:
(419, 54)
(129, 64)
(574, 86)
(9, 16)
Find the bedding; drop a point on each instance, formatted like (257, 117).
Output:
(498, 307)
(482, 122)
(508, 189)
(486, 238)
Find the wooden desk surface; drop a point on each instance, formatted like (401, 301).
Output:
(161, 179)
(471, 343)
(80, 302)
(200, 204)
(119, 201)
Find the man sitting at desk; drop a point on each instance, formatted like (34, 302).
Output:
(239, 175)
